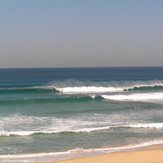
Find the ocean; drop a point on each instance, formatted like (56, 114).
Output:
(57, 113)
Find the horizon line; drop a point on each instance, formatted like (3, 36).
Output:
(77, 67)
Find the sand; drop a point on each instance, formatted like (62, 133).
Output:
(152, 155)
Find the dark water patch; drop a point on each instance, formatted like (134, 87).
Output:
(30, 90)
(146, 88)
(50, 100)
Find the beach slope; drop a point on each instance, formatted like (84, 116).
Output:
(152, 155)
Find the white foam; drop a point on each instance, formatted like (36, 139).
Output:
(75, 86)
(142, 97)
(89, 89)
(89, 129)
(26, 133)
(150, 125)
(21, 125)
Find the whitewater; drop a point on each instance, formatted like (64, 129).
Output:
(58, 113)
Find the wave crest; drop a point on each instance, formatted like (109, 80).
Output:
(107, 86)
(27, 133)
(136, 97)
(74, 86)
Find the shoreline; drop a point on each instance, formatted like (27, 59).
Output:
(79, 154)
(146, 155)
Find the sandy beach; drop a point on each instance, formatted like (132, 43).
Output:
(152, 155)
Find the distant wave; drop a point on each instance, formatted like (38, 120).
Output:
(93, 89)
(54, 89)
(77, 87)
(100, 89)
(89, 89)
(73, 86)
(89, 129)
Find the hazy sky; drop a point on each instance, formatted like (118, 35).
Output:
(77, 33)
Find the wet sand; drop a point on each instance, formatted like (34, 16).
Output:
(152, 155)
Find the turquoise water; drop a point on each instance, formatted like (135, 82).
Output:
(57, 113)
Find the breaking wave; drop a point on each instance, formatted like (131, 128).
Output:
(89, 129)
(74, 86)
(156, 97)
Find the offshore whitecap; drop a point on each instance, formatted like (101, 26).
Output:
(63, 113)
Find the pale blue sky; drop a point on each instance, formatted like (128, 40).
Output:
(78, 33)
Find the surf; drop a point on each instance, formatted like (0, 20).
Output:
(154, 97)
(84, 129)
(75, 86)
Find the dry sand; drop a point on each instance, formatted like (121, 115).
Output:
(152, 155)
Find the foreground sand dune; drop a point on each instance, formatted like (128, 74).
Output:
(152, 155)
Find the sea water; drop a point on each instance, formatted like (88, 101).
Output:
(56, 113)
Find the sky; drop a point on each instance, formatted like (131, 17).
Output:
(81, 33)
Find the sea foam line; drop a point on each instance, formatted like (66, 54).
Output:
(82, 150)
(27, 133)
(142, 97)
